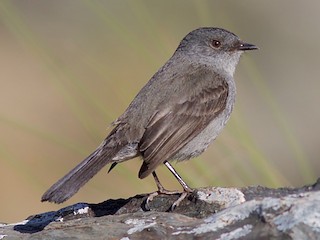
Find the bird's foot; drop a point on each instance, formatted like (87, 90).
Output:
(163, 191)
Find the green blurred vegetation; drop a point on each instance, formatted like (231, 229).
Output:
(69, 68)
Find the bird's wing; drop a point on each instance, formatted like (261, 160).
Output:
(173, 125)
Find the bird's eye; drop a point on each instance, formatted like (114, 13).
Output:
(215, 43)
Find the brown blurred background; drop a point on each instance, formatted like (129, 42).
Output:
(69, 68)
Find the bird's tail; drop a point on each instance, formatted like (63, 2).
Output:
(67, 186)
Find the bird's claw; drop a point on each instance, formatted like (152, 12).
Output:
(151, 196)
(178, 201)
(149, 199)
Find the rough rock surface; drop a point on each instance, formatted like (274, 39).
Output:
(208, 213)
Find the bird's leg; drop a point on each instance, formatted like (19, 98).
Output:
(162, 190)
(186, 188)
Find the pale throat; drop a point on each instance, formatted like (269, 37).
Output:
(225, 63)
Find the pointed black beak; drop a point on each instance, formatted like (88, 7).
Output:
(247, 46)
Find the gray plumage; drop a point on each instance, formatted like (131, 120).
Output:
(175, 116)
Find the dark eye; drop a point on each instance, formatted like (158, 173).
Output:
(215, 43)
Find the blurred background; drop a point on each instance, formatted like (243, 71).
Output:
(69, 68)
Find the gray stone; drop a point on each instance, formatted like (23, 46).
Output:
(208, 213)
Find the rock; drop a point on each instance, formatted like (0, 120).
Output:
(208, 213)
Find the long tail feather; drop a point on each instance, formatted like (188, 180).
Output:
(67, 186)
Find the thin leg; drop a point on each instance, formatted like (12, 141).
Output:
(178, 177)
(162, 190)
(186, 188)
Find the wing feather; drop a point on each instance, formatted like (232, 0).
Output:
(172, 127)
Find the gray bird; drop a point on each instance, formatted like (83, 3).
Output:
(175, 116)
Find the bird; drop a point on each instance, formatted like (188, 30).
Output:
(175, 116)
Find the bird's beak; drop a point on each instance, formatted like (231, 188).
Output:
(247, 46)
